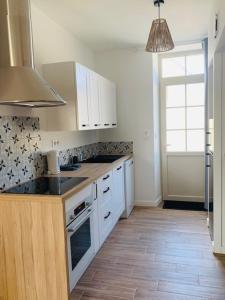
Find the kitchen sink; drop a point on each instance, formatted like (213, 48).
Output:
(101, 159)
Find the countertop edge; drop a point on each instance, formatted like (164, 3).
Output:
(106, 167)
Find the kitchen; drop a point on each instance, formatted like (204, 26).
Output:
(56, 226)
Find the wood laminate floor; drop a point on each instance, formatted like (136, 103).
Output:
(156, 254)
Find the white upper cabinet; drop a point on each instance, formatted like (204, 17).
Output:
(91, 99)
(108, 103)
(112, 103)
(83, 86)
(94, 100)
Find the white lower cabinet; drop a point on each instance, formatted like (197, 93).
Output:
(118, 192)
(111, 201)
(96, 237)
(105, 220)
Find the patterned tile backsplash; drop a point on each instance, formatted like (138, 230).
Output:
(84, 152)
(21, 158)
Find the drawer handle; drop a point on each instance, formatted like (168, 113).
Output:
(107, 216)
(119, 168)
(106, 191)
(106, 124)
(114, 124)
(106, 177)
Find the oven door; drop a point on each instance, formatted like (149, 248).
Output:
(80, 245)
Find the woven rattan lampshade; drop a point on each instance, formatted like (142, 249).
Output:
(160, 39)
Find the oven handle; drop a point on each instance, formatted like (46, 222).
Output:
(71, 230)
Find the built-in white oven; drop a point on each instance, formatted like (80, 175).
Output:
(80, 238)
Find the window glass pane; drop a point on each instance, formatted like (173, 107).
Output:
(195, 140)
(195, 117)
(195, 94)
(175, 118)
(195, 64)
(172, 67)
(175, 95)
(176, 141)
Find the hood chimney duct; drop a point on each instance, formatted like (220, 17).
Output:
(20, 83)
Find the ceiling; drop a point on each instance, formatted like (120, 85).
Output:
(110, 24)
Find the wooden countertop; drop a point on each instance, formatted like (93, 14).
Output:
(92, 171)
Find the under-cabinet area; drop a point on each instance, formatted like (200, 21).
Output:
(91, 98)
(51, 239)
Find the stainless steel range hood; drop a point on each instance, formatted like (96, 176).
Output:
(20, 83)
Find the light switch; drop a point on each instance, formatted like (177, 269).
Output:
(147, 134)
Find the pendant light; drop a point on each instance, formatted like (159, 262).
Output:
(160, 39)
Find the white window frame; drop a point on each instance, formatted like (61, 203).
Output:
(187, 79)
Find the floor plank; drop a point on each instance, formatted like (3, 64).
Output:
(156, 254)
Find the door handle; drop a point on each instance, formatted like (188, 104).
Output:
(119, 168)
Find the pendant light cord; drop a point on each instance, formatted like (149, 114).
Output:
(159, 9)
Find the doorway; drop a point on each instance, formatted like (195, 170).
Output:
(183, 125)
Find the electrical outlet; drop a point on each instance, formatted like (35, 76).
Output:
(55, 144)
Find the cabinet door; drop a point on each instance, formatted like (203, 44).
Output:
(105, 102)
(93, 100)
(118, 192)
(106, 220)
(96, 218)
(113, 106)
(82, 97)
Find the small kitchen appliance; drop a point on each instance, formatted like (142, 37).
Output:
(53, 162)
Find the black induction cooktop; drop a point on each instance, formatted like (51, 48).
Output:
(47, 186)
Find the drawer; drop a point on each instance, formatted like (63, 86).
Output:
(105, 182)
(106, 220)
(105, 195)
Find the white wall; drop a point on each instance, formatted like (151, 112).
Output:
(52, 43)
(218, 7)
(132, 70)
(156, 120)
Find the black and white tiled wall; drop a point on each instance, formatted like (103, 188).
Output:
(21, 158)
(20, 155)
(87, 151)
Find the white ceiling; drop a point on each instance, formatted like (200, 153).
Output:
(110, 24)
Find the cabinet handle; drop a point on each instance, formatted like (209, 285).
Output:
(119, 168)
(106, 217)
(96, 125)
(106, 124)
(84, 125)
(106, 191)
(208, 166)
(114, 124)
(106, 177)
(96, 191)
(208, 145)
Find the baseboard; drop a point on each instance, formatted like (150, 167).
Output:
(149, 203)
